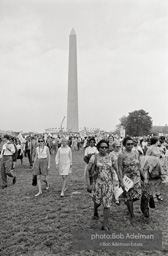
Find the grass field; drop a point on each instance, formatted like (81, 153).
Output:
(43, 226)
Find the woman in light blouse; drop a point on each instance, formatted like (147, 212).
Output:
(41, 164)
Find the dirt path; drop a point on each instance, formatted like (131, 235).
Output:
(43, 226)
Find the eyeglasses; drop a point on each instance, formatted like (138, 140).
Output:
(104, 147)
(41, 140)
(129, 144)
(117, 146)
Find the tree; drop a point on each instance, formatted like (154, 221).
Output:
(123, 121)
(138, 123)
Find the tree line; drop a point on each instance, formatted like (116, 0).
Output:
(137, 123)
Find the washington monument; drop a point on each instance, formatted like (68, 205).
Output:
(72, 105)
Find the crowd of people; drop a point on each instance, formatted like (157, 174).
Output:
(38, 149)
(116, 169)
(132, 169)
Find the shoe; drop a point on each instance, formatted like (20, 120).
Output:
(159, 197)
(62, 194)
(47, 188)
(132, 221)
(38, 194)
(47, 185)
(105, 228)
(4, 186)
(155, 199)
(117, 203)
(14, 180)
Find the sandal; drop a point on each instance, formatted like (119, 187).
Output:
(155, 199)
(62, 194)
(38, 194)
(159, 197)
(117, 203)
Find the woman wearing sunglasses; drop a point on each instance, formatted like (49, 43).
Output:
(102, 188)
(129, 165)
(41, 164)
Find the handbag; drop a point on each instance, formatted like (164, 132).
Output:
(144, 204)
(155, 173)
(93, 170)
(86, 159)
(34, 180)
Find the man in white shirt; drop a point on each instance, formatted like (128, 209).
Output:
(7, 152)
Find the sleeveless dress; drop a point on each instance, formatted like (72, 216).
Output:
(64, 160)
(103, 191)
(131, 170)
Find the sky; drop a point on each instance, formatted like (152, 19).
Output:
(122, 58)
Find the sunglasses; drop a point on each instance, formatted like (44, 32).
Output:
(117, 146)
(104, 147)
(41, 141)
(129, 144)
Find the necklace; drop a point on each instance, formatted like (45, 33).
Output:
(41, 151)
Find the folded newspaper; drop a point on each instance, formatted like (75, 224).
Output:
(128, 183)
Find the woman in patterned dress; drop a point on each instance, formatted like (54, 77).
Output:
(102, 188)
(129, 165)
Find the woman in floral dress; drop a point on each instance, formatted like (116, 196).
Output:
(102, 188)
(129, 165)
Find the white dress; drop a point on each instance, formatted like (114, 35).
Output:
(64, 160)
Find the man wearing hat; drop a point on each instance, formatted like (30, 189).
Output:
(7, 152)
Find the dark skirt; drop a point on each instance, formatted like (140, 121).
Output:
(19, 156)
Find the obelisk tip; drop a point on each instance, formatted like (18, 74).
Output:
(73, 32)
